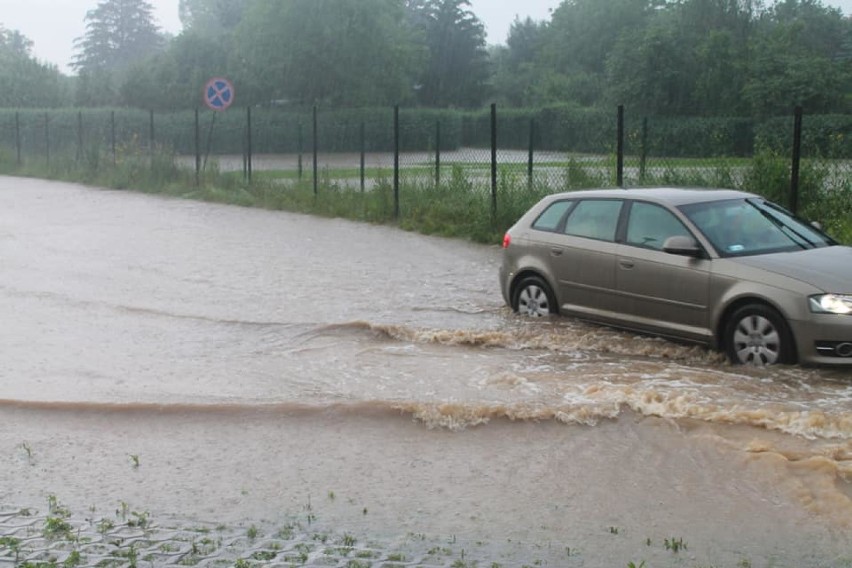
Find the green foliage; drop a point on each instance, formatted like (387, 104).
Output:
(324, 51)
(27, 82)
(118, 34)
(455, 70)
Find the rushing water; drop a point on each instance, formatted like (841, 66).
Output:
(254, 363)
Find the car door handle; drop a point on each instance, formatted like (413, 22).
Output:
(626, 264)
(556, 252)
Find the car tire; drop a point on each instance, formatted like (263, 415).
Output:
(758, 335)
(534, 298)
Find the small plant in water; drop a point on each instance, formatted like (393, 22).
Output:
(634, 565)
(134, 459)
(675, 544)
(29, 451)
(252, 532)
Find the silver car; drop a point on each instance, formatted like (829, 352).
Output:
(723, 268)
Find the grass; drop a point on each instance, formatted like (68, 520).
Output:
(462, 205)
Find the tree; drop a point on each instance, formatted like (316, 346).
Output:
(514, 70)
(647, 69)
(173, 79)
(785, 73)
(456, 71)
(211, 17)
(118, 34)
(28, 82)
(324, 51)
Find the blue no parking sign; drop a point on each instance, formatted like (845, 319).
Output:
(218, 94)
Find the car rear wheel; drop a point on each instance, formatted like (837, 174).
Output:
(534, 298)
(758, 335)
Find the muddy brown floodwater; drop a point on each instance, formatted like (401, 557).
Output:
(231, 365)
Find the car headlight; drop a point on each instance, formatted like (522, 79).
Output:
(831, 304)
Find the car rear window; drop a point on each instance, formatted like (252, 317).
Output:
(551, 217)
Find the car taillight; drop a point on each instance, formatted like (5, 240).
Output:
(507, 240)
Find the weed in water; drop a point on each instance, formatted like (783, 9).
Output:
(252, 532)
(675, 544)
(56, 527)
(634, 565)
(134, 459)
(140, 520)
(74, 559)
(613, 530)
(265, 555)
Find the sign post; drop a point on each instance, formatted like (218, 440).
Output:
(218, 96)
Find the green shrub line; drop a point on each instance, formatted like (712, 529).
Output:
(461, 206)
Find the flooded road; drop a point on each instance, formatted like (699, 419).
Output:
(234, 365)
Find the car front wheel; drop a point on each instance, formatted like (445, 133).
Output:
(533, 298)
(758, 335)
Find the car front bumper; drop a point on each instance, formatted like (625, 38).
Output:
(824, 339)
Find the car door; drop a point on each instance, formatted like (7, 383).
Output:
(584, 257)
(662, 292)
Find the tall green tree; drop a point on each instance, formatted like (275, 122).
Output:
(27, 82)
(211, 17)
(457, 69)
(515, 72)
(118, 34)
(334, 52)
(174, 78)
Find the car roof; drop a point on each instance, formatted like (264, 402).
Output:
(674, 196)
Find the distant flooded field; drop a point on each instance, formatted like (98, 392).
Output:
(226, 367)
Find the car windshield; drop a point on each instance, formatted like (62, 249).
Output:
(740, 227)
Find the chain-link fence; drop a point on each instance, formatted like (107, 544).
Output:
(495, 152)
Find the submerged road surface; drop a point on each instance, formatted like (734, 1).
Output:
(239, 366)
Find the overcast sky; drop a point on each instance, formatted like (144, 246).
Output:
(53, 24)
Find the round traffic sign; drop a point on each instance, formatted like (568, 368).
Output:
(218, 93)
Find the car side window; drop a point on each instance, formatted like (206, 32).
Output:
(551, 217)
(650, 225)
(594, 219)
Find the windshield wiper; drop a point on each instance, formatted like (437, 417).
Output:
(784, 227)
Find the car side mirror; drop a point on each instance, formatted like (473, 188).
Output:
(683, 246)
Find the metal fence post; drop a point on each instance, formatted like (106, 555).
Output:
(619, 160)
(396, 162)
(363, 136)
(248, 144)
(643, 157)
(301, 149)
(151, 136)
(531, 156)
(112, 136)
(316, 157)
(79, 136)
(438, 152)
(197, 151)
(797, 157)
(47, 139)
(18, 137)
(493, 160)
